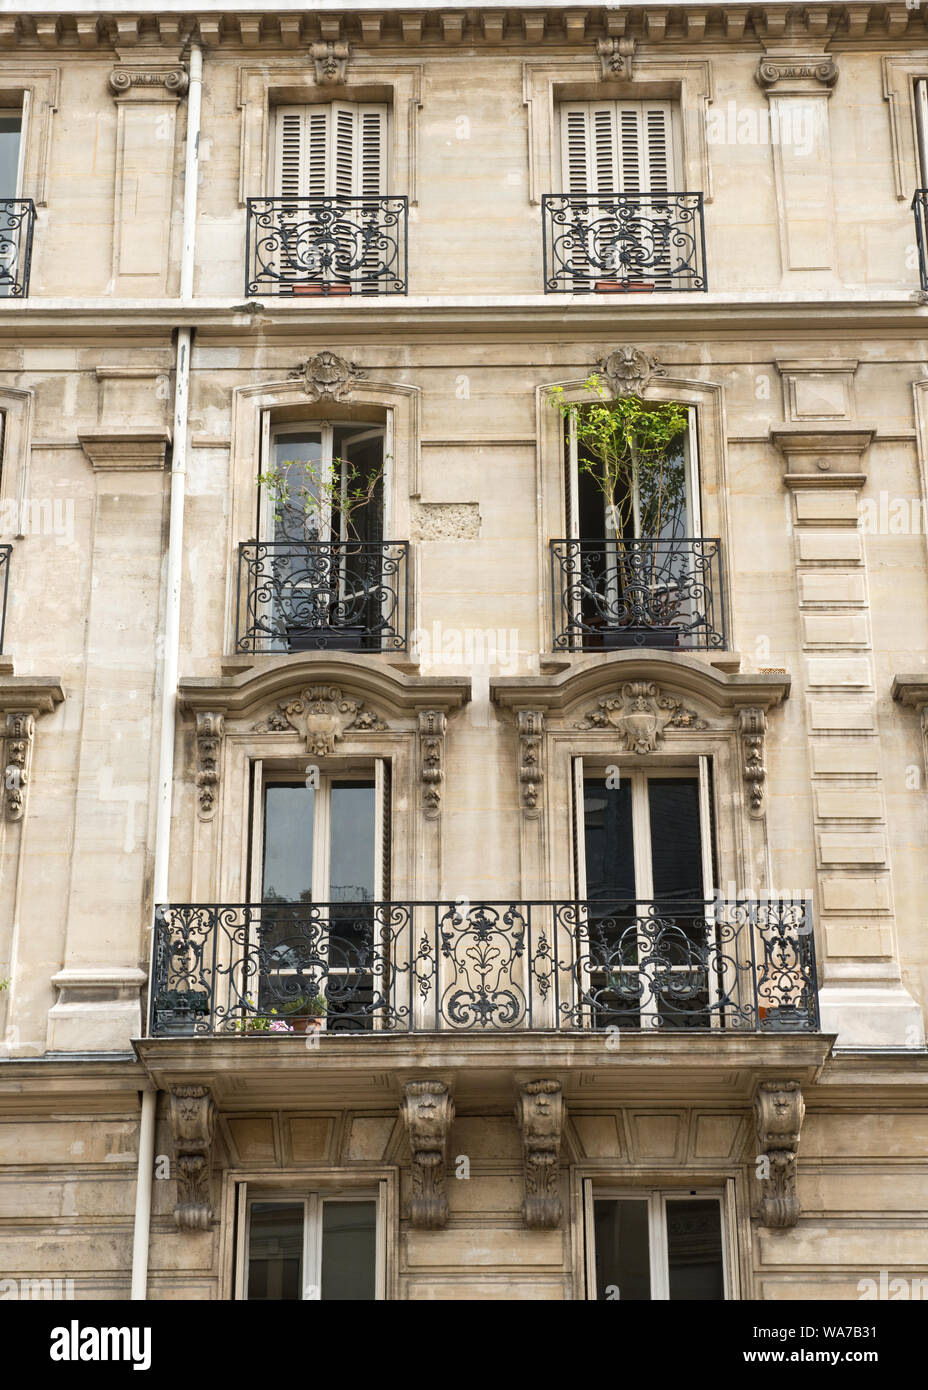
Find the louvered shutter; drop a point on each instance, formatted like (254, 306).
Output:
(617, 147)
(336, 150)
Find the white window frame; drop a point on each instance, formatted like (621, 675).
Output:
(586, 767)
(312, 1199)
(921, 128)
(366, 429)
(657, 1199)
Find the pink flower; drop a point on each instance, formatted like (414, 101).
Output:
(280, 1027)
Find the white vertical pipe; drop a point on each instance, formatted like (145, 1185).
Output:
(141, 1233)
(143, 1197)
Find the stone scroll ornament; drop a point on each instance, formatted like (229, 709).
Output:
(20, 737)
(540, 1116)
(432, 726)
(752, 723)
(193, 1122)
(210, 728)
(778, 1114)
(427, 1112)
(531, 724)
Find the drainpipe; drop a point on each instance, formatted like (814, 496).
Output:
(171, 638)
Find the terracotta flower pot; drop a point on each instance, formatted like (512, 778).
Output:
(319, 287)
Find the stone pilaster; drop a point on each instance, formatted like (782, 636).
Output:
(862, 996)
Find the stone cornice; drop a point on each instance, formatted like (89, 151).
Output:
(36, 694)
(263, 28)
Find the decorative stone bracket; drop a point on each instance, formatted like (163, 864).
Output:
(148, 83)
(640, 713)
(778, 1114)
(615, 56)
(193, 1121)
(531, 725)
(20, 736)
(432, 726)
(330, 61)
(752, 724)
(427, 1112)
(326, 714)
(210, 728)
(540, 1116)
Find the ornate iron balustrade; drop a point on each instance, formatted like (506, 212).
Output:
(17, 223)
(920, 208)
(610, 594)
(318, 595)
(322, 245)
(6, 552)
(400, 967)
(614, 243)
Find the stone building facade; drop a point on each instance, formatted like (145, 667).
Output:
(323, 679)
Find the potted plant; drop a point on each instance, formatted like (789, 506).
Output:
(307, 1012)
(259, 1023)
(302, 514)
(630, 450)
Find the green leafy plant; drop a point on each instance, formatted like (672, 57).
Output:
(322, 491)
(4, 984)
(630, 449)
(307, 1006)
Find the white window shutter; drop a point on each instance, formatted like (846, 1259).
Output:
(288, 154)
(372, 151)
(617, 147)
(317, 123)
(343, 150)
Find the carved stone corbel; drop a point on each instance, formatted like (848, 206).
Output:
(193, 1121)
(210, 729)
(531, 725)
(20, 736)
(778, 1114)
(615, 56)
(330, 61)
(540, 1116)
(432, 726)
(427, 1112)
(144, 82)
(752, 723)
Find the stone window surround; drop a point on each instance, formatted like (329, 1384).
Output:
(742, 837)
(708, 402)
(400, 405)
(899, 77)
(220, 841)
(292, 80)
(38, 88)
(685, 80)
(381, 1181)
(18, 409)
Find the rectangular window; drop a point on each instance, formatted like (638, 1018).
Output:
(328, 151)
(644, 872)
(315, 1245)
(656, 1245)
(320, 864)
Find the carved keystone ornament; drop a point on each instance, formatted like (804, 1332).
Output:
(325, 714)
(626, 371)
(326, 377)
(640, 715)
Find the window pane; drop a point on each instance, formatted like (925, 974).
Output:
(299, 496)
(623, 1257)
(275, 1251)
(349, 1250)
(351, 878)
(694, 1248)
(288, 843)
(10, 127)
(607, 819)
(676, 850)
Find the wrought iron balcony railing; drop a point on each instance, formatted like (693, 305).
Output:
(322, 595)
(616, 243)
(402, 967)
(609, 594)
(920, 208)
(6, 552)
(326, 246)
(17, 223)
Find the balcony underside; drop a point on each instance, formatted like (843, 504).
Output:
(370, 1069)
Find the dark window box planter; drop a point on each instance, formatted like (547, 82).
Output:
(333, 639)
(618, 638)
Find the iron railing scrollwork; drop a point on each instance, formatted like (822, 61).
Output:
(318, 595)
(326, 245)
(645, 592)
(614, 243)
(17, 224)
(920, 209)
(400, 967)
